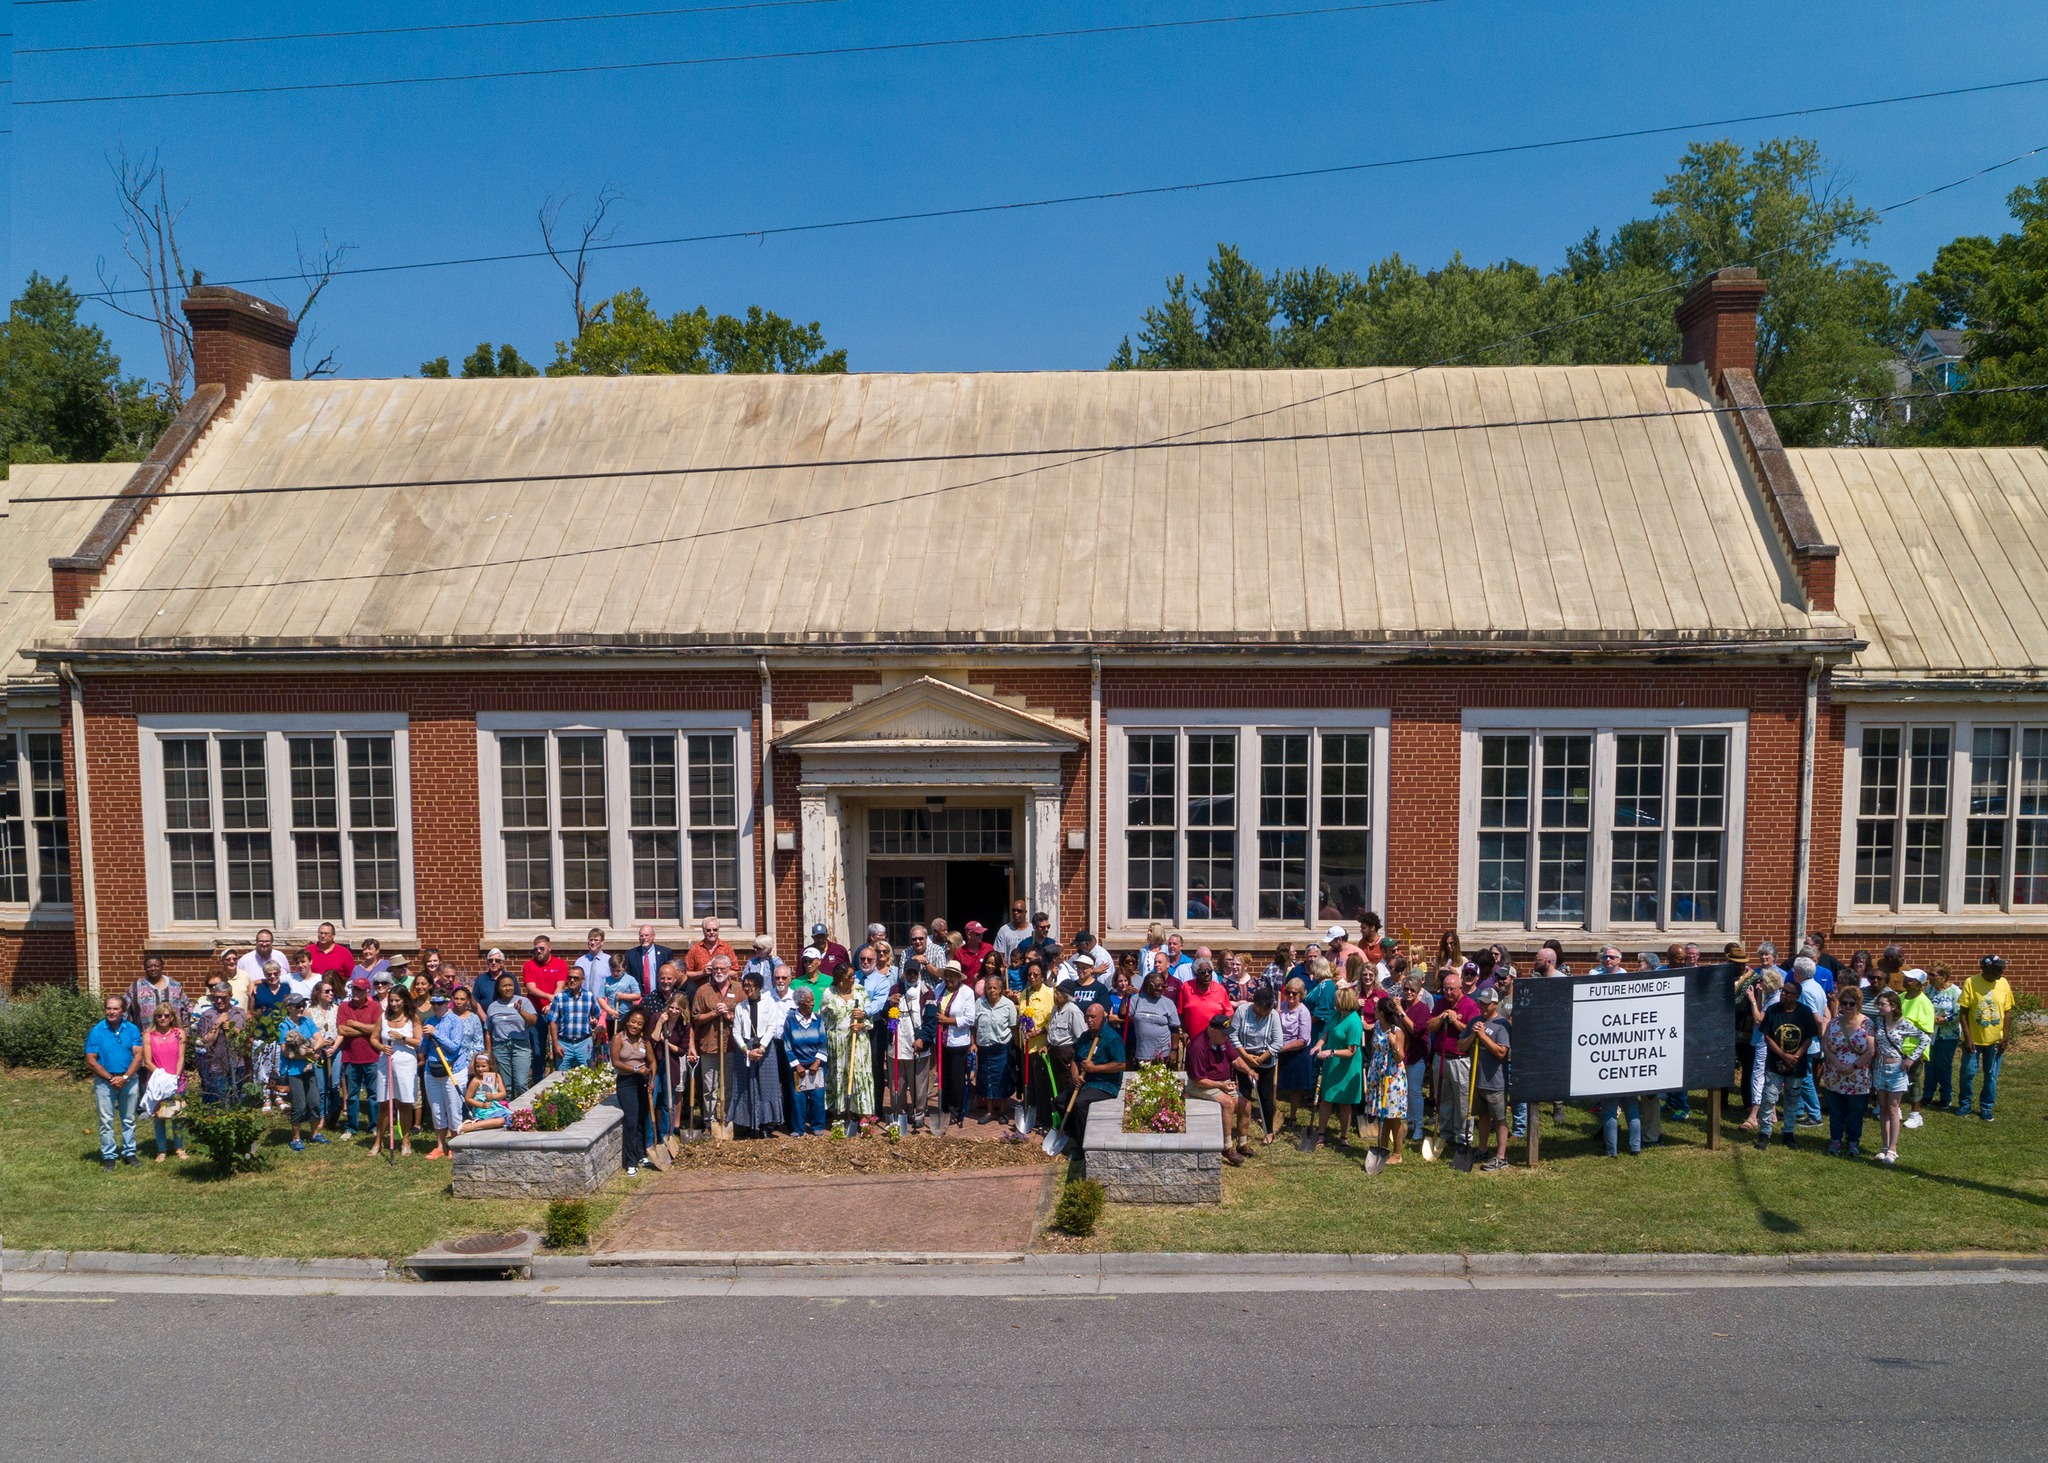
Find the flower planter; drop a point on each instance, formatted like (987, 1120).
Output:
(1156, 1168)
(577, 1160)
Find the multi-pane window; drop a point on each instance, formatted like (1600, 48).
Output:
(1950, 817)
(1298, 850)
(1651, 850)
(287, 827)
(600, 826)
(35, 833)
(959, 832)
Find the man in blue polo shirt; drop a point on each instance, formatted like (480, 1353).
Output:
(113, 1052)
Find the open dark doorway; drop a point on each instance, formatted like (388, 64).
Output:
(979, 891)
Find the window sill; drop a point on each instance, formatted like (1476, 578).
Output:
(569, 943)
(1865, 924)
(42, 917)
(206, 942)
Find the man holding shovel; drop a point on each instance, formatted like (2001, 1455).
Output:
(711, 1011)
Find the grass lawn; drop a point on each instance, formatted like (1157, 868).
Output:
(326, 1201)
(1959, 1184)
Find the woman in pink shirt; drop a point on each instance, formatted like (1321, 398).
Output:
(163, 1050)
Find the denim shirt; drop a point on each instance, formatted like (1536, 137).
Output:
(877, 985)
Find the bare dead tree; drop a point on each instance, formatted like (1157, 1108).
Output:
(149, 237)
(574, 261)
(316, 271)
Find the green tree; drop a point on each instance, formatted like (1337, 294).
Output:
(1827, 331)
(1996, 292)
(627, 336)
(62, 395)
(485, 360)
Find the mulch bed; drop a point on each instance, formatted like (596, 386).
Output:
(915, 1154)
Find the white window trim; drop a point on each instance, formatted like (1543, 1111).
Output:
(1248, 725)
(276, 729)
(35, 909)
(1962, 718)
(615, 725)
(1603, 724)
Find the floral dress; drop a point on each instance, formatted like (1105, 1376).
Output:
(849, 1070)
(1386, 1080)
(1844, 1058)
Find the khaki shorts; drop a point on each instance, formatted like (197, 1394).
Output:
(1494, 1105)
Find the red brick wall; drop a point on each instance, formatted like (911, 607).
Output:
(39, 957)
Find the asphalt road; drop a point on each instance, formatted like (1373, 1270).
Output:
(1761, 1373)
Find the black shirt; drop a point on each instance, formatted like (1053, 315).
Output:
(1793, 1029)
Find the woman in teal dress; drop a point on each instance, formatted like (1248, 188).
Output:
(1341, 1052)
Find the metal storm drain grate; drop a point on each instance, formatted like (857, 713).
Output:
(484, 1244)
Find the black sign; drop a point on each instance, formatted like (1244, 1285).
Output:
(1616, 1036)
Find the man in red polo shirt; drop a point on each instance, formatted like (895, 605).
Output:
(973, 950)
(329, 960)
(539, 979)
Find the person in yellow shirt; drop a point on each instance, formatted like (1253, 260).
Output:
(1987, 1027)
(1034, 1010)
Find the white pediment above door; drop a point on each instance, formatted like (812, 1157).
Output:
(932, 715)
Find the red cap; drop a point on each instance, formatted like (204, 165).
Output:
(976, 927)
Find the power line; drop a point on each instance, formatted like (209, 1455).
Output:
(1121, 194)
(877, 48)
(414, 30)
(1078, 454)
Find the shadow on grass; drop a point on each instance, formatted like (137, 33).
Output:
(1769, 1218)
(1979, 1186)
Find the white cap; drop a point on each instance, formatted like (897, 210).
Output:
(811, 952)
(1084, 960)
(1336, 933)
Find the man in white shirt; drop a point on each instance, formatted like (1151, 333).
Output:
(1085, 943)
(1016, 932)
(249, 969)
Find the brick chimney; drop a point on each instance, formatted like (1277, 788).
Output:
(238, 338)
(1717, 321)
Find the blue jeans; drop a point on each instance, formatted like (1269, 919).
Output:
(994, 1073)
(1938, 1079)
(574, 1054)
(1845, 1116)
(1991, 1058)
(170, 1134)
(359, 1079)
(111, 1100)
(515, 1065)
(808, 1116)
(1610, 1123)
(1415, 1071)
(1808, 1097)
(1776, 1085)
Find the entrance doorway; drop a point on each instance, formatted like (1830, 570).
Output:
(934, 861)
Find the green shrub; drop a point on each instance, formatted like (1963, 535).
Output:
(554, 1111)
(47, 1029)
(1156, 1101)
(228, 1136)
(568, 1224)
(1079, 1207)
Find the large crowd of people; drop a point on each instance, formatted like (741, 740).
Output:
(1396, 1043)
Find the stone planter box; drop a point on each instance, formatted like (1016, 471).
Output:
(578, 1160)
(1156, 1168)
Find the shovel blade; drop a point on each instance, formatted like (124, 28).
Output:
(1461, 1161)
(1020, 1114)
(1375, 1160)
(1055, 1143)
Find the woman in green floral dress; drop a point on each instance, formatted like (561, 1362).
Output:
(849, 1071)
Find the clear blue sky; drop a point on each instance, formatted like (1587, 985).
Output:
(432, 171)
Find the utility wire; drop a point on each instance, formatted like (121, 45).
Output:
(876, 48)
(414, 30)
(1078, 454)
(1117, 195)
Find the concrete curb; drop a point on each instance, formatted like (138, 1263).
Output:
(116, 1262)
(739, 1264)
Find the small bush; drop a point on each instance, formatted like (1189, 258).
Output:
(568, 1224)
(554, 1111)
(228, 1136)
(1079, 1207)
(47, 1029)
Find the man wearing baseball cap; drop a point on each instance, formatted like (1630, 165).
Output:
(1987, 1005)
(358, 1023)
(301, 1052)
(833, 956)
(974, 949)
(1916, 1008)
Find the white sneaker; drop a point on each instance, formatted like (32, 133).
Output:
(1912, 1120)
(1888, 1157)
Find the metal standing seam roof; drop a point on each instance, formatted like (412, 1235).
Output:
(31, 534)
(1944, 564)
(1648, 528)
